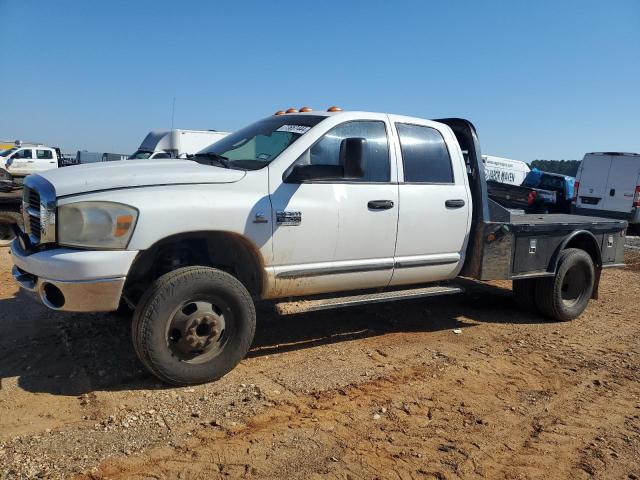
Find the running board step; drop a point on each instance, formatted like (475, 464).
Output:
(303, 306)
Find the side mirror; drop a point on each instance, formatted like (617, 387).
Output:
(352, 157)
(301, 173)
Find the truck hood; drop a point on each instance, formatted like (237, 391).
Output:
(135, 173)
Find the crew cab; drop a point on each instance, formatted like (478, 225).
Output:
(365, 206)
(23, 160)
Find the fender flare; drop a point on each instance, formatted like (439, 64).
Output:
(597, 261)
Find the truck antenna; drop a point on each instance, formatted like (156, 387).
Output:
(173, 111)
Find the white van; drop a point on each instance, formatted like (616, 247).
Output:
(175, 143)
(23, 160)
(505, 170)
(608, 185)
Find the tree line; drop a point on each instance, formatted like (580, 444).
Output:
(565, 167)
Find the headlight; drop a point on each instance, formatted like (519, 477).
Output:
(96, 224)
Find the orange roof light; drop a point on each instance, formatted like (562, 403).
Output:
(291, 110)
(334, 109)
(279, 112)
(306, 109)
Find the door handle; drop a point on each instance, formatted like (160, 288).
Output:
(612, 192)
(380, 204)
(454, 203)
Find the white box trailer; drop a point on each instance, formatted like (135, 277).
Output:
(175, 143)
(505, 170)
(608, 185)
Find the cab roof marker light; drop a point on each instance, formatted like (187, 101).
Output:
(306, 109)
(334, 109)
(280, 112)
(291, 110)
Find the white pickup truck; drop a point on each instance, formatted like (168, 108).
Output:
(294, 205)
(23, 160)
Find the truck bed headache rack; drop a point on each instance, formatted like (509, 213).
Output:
(302, 306)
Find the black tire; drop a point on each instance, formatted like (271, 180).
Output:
(524, 294)
(6, 219)
(565, 296)
(164, 332)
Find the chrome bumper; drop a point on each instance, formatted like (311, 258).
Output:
(99, 295)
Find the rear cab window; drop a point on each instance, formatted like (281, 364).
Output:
(425, 156)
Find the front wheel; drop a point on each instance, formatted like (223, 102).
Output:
(565, 296)
(6, 219)
(193, 325)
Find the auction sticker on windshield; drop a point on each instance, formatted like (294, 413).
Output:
(299, 129)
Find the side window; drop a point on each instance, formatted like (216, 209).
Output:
(25, 153)
(162, 155)
(327, 150)
(44, 154)
(425, 156)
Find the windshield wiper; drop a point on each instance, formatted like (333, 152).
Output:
(221, 160)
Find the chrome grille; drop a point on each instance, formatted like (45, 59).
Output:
(33, 210)
(34, 199)
(39, 210)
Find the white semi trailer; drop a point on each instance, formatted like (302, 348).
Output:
(505, 170)
(175, 143)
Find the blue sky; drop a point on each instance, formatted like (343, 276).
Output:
(543, 79)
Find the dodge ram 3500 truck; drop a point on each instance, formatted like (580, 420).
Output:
(294, 205)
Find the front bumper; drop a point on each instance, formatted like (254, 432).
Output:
(73, 280)
(81, 296)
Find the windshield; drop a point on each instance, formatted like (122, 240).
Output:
(140, 155)
(257, 145)
(9, 151)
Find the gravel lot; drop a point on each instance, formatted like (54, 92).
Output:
(386, 391)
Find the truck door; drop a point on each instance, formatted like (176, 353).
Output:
(594, 171)
(44, 160)
(435, 204)
(22, 162)
(621, 184)
(338, 234)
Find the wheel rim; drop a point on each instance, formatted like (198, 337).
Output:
(575, 284)
(199, 329)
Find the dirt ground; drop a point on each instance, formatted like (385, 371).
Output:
(384, 391)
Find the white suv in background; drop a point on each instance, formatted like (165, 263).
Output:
(24, 160)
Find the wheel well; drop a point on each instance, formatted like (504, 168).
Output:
(589, 244)
(226, 251)
(583, 240)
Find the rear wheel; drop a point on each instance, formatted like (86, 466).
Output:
(524, 292)
(565, 296)
(193, 325)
